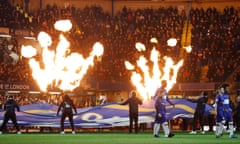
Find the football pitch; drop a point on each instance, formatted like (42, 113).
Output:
(114, 138)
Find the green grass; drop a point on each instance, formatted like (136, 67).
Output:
(113, 138)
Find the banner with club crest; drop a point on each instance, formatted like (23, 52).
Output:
(102, 116)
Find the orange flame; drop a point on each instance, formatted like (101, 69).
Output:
(63, 25)
(172, 42)
(28, 51)
(129, 66)
(140, 47)
(148, 80)
(188, 49)
(61, 69)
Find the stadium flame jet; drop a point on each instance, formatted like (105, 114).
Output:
(147, 80)
(62, 68)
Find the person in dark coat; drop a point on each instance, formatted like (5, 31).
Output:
(199, 112)
(67, 106)
(9, 106)
(211, 117)
(133, 101)
(237, 114)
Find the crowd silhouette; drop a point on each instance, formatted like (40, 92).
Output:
(215, 39)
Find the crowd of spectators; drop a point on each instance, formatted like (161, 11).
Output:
(215, 41)
(215, 38)
(54, 99)
(25, 99)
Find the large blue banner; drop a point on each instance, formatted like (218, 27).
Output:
(107, 115)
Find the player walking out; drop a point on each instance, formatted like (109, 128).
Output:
(67, 106)
(9, 106)
(224, 111)
(161, 99)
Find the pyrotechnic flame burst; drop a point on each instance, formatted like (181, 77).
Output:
(148, 80)
(63, 25)
(188, 49)
(140, 47)
(61, 68)
(172, 42)
(28, 51)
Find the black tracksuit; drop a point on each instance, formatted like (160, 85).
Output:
(237, 117)
(199, 112)
(9, 106)
(133, 102)
(67, 106)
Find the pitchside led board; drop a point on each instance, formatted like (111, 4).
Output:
(17, 87)
(6, 86)
(106, 115)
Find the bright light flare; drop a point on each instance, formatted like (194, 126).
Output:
(60, 68)
(148, 79)
(63, 25)
(172, 42)
(153, 40)
(140, 47)
(98, 49)
(28, 51)
(170, 71)
(44, 39)
(129, 66)
(188, 49)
